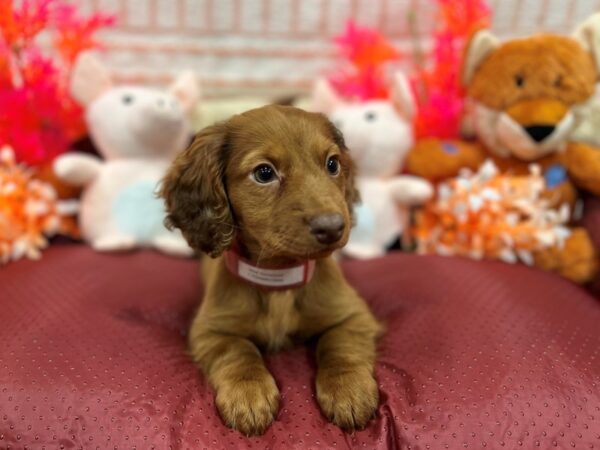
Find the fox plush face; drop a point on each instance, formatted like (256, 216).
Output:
(528, 95)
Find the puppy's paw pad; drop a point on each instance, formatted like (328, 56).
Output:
(249, 406)
(348, 398)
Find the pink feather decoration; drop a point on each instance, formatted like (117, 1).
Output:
(367, 51)
(440, 96)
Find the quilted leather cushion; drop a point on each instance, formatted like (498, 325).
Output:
(476, 355)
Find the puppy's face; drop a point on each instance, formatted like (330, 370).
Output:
(277, 178)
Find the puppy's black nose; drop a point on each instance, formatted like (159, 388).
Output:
(539, 132)
(327, 228)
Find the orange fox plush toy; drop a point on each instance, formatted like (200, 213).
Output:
(525, 98)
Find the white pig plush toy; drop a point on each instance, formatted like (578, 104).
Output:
(137, 131)
(378, 134)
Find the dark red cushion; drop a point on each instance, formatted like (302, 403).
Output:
(591, 221)
(477, 355)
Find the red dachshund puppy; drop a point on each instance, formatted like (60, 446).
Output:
(268, 195)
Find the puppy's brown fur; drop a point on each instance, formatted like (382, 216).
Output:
(211, 196)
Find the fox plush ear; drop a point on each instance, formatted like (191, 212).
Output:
(89, 80)
(402, 96)
(324, 98)
(481, 45)
(588, 35)
(186, 89)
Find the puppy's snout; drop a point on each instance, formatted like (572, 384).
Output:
(327, 228)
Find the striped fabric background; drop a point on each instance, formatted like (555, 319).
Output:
(279, 46)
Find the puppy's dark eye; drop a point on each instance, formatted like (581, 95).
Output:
(264, 174)
(519, 80)
(333, 165)
(370, 116)
(127, 99)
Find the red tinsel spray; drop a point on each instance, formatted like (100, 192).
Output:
(38, 118)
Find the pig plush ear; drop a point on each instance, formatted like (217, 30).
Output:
(186, 89)
(324, 98)
(89, 79)
(402, 96)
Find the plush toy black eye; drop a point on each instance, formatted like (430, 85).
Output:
(264, 174)
(519, 80)
(370, 116)
(558, 81)
(128, 99)
(333, 166)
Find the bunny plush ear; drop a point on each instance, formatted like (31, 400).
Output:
(186, 89)
(588, 35)
(89, 79)
(402, 96)
(481, 45)
(324, 98)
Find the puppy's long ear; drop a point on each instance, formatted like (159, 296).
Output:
(195, 196)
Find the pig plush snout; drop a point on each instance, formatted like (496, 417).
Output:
(162, 110)
(158, 121)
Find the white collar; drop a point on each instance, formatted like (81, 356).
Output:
(281, 278)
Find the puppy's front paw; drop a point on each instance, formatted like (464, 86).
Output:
(348, 396)
(249, 405)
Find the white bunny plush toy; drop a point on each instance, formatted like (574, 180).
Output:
(137, 131)
(379, 135)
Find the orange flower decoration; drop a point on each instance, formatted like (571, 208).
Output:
(29, 211)
(492, 216)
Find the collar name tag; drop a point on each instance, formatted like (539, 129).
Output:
(285, 278)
